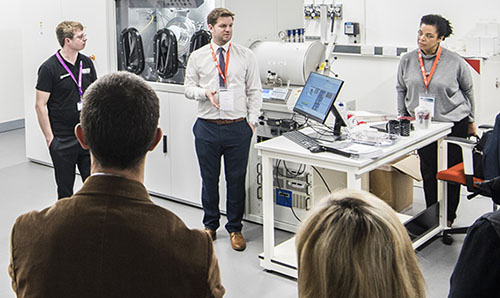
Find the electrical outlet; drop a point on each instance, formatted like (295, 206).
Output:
(338, 10)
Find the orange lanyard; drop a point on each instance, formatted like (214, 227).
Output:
(223, 75)
(427, 79)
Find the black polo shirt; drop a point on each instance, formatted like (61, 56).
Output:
(64, 96)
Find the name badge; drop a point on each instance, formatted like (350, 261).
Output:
(85, 70)
(79, 105)
(427, 101)
(226, 99)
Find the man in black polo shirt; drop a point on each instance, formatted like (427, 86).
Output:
(62, 79)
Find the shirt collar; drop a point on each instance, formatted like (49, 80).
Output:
(216, 47)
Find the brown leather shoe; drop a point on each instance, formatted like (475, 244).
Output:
(212, 233)
(237, 241)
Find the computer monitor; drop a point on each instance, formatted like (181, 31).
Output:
(317, 99)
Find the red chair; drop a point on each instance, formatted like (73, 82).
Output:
(463, 173)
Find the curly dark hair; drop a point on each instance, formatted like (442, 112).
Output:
(442, 25)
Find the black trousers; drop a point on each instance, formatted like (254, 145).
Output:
(212, 141)
(428, 168)
(66, 152)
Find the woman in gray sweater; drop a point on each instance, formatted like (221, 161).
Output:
(441, 79)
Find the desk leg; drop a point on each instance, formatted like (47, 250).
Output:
(353, 182)
(442, 189)
(267, 210)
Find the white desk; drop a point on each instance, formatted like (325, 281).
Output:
(283, 257)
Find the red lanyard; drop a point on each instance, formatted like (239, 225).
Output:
(427, 79)
(223, 75)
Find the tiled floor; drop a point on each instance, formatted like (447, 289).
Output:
(26, 186)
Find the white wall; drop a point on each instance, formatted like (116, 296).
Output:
(11, 76)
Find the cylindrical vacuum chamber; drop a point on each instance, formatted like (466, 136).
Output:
(290, 61)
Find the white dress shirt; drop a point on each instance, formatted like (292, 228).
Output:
(242, 78)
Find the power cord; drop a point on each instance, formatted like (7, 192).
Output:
(324, 181)
(276, 176)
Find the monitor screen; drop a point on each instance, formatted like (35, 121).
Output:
(318, 96)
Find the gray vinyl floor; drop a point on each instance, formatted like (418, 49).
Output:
(25, 186)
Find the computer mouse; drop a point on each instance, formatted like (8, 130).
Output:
(316, 149)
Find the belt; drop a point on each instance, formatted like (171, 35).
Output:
(224, 121)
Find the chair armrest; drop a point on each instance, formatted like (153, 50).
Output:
(467, 146)
(485, 126)
(462, 142)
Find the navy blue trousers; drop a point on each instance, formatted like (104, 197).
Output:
(212, 141)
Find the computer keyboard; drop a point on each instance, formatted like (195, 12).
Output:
(311, 144)
(302, 139)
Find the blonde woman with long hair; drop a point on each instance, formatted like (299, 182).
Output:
(354, 246)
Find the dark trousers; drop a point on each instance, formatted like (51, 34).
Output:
(212, 141)
(428, 168)
(66, 152)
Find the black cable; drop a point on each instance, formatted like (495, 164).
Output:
(279, 188)
(300, 170)
(295, 215)
(324, 181)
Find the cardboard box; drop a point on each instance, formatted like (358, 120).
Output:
(393, 183)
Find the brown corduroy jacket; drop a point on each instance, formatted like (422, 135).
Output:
(111, 240)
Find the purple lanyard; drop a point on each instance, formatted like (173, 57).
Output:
(79, 83)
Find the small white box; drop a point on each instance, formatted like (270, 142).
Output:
(493, 29)
(487, 45)
(473, 46)
(390, 51)
(367, 49)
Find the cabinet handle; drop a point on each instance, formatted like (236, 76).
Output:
(165, 144)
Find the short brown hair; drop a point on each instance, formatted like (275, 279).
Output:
(67, 29)
(217, 13)
(119, 119)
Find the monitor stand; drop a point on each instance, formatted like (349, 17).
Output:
(337, 131)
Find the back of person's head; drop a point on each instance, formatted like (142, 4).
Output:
(353, 245)
(443, 26)
(119, 119)
(66, 29)
(217, 13)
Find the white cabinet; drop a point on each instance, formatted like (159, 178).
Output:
(157, 176)
(186, 181)
(486, 77)
(172, 167)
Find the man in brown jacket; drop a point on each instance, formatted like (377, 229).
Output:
(109, 239)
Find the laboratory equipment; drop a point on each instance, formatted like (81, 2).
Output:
(291, 62)
(163, 36)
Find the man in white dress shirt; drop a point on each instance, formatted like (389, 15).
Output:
(224, 78)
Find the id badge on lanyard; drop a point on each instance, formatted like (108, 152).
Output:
(226, 99)
(78, 83)
(428, 100)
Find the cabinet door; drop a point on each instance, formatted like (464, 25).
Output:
(488, 100)
(158, 162)
(186, 180)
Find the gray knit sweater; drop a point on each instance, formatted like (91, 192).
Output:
(451, 84)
